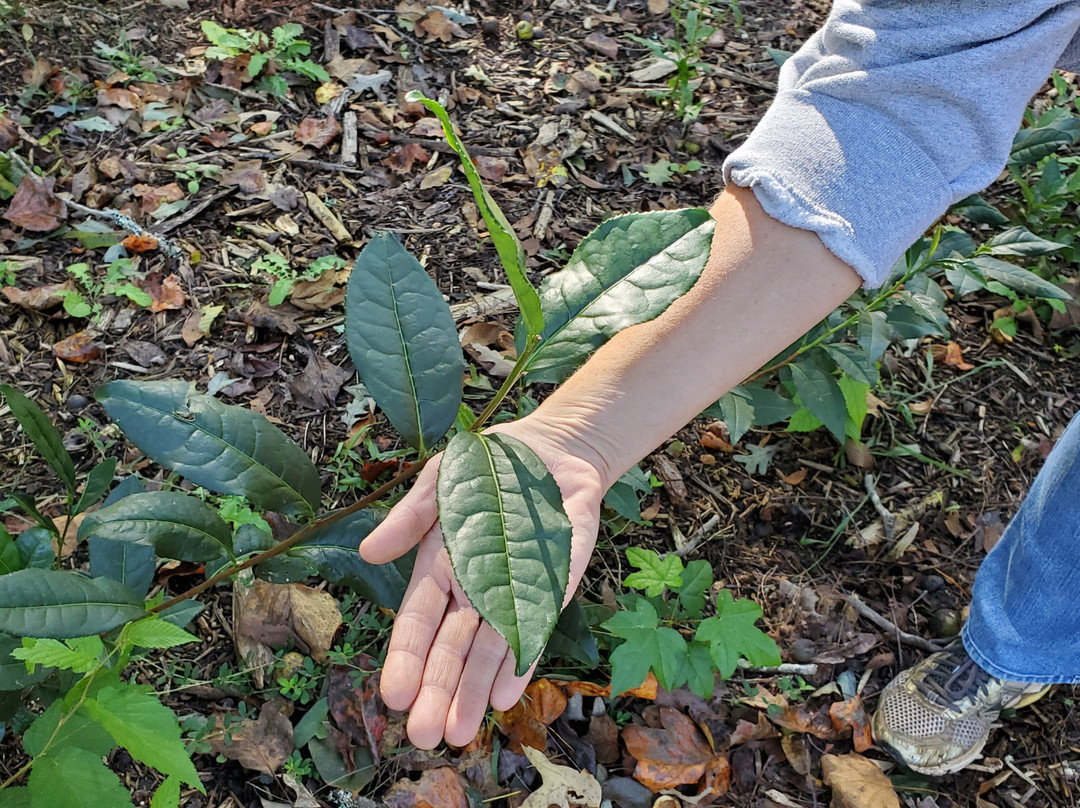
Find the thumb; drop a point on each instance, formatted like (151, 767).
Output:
(406, 523)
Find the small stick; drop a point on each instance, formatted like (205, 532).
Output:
(786, 669)
(349, 139)
(605, 120)
(887, 625)
(888, 521)
(701, 534)
(168, 247)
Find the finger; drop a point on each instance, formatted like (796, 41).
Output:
(507, 689)
(471, 700)
(407, 523)
(442, 673)
(422, 611)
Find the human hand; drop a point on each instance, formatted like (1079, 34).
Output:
(445, 664)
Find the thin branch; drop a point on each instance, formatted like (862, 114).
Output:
(901, 635)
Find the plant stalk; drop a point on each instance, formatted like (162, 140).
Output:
(296, 537)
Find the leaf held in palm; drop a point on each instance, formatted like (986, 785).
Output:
(508, 537)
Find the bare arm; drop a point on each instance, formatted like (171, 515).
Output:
(765, 284)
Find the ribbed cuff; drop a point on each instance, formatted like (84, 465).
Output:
(844, 172)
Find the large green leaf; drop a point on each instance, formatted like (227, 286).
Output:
(35, 546)
(145, 727)
(1018, 278)
(507, 244)
(13, 672)
(333, 553)
(131, 564)
(226, 448)
(508, 537)
(626, 271)
(51, 603)
(1021, 241)
(97, 483)
(40, 430)
(75, 778)
(821, 395)
(176, 525)
(402, 340)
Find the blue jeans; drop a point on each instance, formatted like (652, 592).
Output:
(1025, 609)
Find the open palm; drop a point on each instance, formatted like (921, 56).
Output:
(445, 664)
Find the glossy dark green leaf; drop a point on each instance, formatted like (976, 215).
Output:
(39, 429)
(1021, 241)
(624, 496)
(1032, 145)
(182, 613)
(964, 279)
(10, 559)
(402, 340)
(176, 525)
(508, 537)
(226, 448)
(35, 546)
(133, 565)
(627, 271)
(507, 244)
(333, 552)
(26, 502)
(283, 569)
(909, 323)
(820, 394)
(13, 673)
(1017, 278)
(873, 333)
(60, 605)
(97, 483)
(130, 485)
(769, 406)
(853, 361)
(572, 638)
(976, 209)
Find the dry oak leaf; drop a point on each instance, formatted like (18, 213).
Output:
(34, 207)
(646, 690)
(675, 755)
(525, 724)
(165, 293)
(857, 782)
(317, 132)
(562, 785)
(851, 713)
(42, 298)
(79, 348)
(275, 614)
(262, 745)
(436, 788)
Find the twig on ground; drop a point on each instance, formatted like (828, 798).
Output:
(786, 669)
(369, 14)
(887, 519)
(168, 247)
(883, 623)
(706, 531)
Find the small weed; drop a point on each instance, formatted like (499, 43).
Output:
(267, 57)
(299, 766)
(663, 171)
(117, 280)
(278, 267)
(137, 66)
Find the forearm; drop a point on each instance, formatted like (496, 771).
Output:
(765, 284)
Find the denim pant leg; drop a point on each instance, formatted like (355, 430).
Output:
(1025, 609)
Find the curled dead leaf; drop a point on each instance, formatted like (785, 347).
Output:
(851, 714)
(80, 348)
(317, 132)
(562, 786)
(165, 293)
(436, 788)
(525, 724)
(34, 207)
(263, 744)
(857, 782)
(41, 298)
(676, 754)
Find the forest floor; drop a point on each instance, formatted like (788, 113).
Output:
(119, 105)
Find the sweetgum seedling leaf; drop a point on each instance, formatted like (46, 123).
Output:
(75, 778)
(40, 430)
(626, 271)
(507, 244)
(508, 537)
(401, 338)
(697, 578)
(146, 728)
(732, 634)
(654, 574)
(176, 525)
(50, 603)
(223, 447)
(647, 647)
(333, 552)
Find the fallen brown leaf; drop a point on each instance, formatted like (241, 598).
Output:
(851, 714)
(950, 355)
(247, 175)
(857, 782)
(562, 786)
(272, 615)
(317, 385)
(358, 711)
(526, 723)
(198, 323)
(795, 478)
(317, 132)
(141, 243)
(151, 197)
(325, 292)
(165, 293)
(34, 207)
(79, 348)
(669, 473)
(676, 754)
(436, 788)
(262, 745)
(745, 732)
(602, 44)
(403, 157)
(41, 298)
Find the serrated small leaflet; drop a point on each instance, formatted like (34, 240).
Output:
(821, 395)
(508, 537)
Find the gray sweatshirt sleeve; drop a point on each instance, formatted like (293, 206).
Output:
(893, 111)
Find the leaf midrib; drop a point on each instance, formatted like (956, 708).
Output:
(148, 521)
(405, 355)
(506, 542)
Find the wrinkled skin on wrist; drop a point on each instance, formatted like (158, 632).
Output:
(444, 664)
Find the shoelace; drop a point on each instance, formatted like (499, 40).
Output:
(954, 680)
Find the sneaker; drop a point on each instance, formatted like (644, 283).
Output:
(935, 717)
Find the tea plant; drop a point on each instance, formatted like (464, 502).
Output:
(267, 57)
